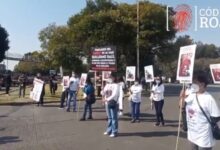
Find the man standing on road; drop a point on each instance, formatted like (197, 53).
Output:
(73, 89)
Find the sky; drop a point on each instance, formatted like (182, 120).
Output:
(24, 19)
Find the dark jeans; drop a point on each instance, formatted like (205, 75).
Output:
(64, 95)
(158, 108)
(22, 90)
(87, 107)
(7, 88)
(196, 147)
(135, 110)
(41, 101)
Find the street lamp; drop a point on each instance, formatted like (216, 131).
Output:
(138, 53)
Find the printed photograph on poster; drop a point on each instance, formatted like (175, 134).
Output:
(66, 80)
(186, 63)
(149, 73)
(82, 81)
(130, 73)
(106, 75)
(36, 92)
(215, 71)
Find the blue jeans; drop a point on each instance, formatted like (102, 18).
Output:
(72, 94)
(112, 114)
(86, 107)
(135, 110)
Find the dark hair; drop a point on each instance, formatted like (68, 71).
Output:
(161, 81)
(201, 77)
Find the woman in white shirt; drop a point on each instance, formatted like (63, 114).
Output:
(111, 94)
(157, 92)
(135, 90)
(199, 129)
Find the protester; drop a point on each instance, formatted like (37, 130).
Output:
(22, 80)
(73, 89)
(157, 92)
(41, 101)
(135, 90)
(7, 81)
(199, 131)
(121, 95)
(64, 94)
(53, 84)
(89, 90)
(111, 93)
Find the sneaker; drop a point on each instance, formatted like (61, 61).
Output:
(90, 118)
(120, 113)
(106, 133)
(138, 121)
(157, 124)
(82, 119)
(112, 135)
(133, 121)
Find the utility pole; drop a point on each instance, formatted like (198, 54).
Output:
(138, 53)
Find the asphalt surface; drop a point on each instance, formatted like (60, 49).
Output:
(28, 127)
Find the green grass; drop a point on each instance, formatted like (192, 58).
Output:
(14, 97)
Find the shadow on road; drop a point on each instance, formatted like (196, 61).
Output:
(9, 139)
(153, 134)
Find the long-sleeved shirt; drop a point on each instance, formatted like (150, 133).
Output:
(111, 91)
(158, 92)
(136, 93)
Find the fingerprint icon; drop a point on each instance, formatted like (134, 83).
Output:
(183, 17)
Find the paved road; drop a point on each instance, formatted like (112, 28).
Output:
(29, 127)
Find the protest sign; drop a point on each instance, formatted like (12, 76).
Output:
(186, 63)
(130, 73)
(149, 73)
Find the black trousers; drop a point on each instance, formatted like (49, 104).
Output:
(7, 88)
(22, 90)
(64, 95)
(158, 108)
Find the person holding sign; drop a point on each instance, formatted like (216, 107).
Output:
(41, 101)
(90, 99)
(157, 92)
(199, 129)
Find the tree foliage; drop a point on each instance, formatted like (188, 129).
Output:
(4, 43)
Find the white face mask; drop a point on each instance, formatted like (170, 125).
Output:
(157, 81)
(135, 83)
(194, 88)
(110, 81)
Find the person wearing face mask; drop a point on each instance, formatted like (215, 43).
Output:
(157, 92)
(199, 131)
(111, 94)
(135, 90)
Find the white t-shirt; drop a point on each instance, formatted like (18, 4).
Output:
(136, 93)
(158, 92)
(74, 84)
(111, 91)
(199, 129)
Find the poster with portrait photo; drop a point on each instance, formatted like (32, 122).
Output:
(186, 63)
(130, 73)
(215, 71)
(82, 81)
(106, 75)
(149, 73)
(65, 81)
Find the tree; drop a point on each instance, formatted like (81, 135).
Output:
(4, 43)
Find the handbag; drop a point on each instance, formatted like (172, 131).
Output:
(214, 125)
(112, 104)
